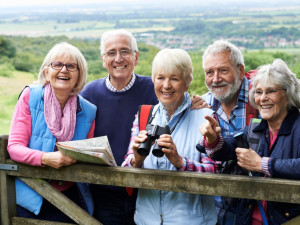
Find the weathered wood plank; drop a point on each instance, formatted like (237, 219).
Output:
(199, 183)
(210, 184)
(7, 187)
(25, 221)
(3, 148)
(5, 219)
(59, 200)
(294, 221)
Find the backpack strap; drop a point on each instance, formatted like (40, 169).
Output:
(254, 143)
(143, 117)
(254, 137)
(144, 112)
(22, 91)
(250, 74)
(250, 111)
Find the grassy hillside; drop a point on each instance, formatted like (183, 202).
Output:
(10, 88)
(21, 50)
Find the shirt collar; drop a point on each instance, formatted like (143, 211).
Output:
(163, 118)
(126, 88)
(244, 92)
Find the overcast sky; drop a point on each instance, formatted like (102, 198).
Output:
(9, 3)
(28, 3)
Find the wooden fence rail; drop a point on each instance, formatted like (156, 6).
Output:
(281, 190)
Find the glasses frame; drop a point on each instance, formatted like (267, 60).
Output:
(66, 65)
(124, 53)
(268, 92)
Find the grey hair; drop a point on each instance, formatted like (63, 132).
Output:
(173, 61)
(224, 46)
(277, 74)
(120, 32)
(67, 50)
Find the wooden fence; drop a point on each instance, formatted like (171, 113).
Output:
(281, 190)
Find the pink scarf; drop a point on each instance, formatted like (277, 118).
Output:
(61, 124)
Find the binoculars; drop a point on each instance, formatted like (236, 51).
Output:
(153, 133)
(241, 140)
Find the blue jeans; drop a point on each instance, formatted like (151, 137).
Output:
(113, 205)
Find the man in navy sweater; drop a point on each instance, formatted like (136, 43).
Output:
(117, 98)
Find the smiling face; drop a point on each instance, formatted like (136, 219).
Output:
(119, 67)
(169, 89)
(222, 78)
(273, 105)
(62, 81)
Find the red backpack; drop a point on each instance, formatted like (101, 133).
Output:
(143, 117)
(250, 111)
(144, 112)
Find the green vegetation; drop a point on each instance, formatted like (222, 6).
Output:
(10, 88)
(192, 28)
(21, 58)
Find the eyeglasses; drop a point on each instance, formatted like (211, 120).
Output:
(269, 92)
(124, 53)
(59, 65)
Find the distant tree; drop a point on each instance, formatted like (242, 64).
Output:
(191, 27)
(284, 56)
(95, 68)
(7, 48)
(296, 69)
(22, 62)
(147, 54)
(198, 84)
(254, 59)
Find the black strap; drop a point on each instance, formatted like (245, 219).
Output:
(178, 121)
(171, 131)
(253, 138)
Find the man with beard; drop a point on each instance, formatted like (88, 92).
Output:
(228, 87)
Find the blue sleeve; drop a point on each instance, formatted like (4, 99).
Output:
(285, 168)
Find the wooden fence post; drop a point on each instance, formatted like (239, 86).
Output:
(7, 187)
(60, 201)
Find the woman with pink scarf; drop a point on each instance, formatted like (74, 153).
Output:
(46, 113)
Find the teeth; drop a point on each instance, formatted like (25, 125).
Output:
(63, 78)
(120, 67)
(266, 106)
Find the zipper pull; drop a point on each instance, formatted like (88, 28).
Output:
(161, 220)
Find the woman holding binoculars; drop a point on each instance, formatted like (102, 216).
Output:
(177, 136)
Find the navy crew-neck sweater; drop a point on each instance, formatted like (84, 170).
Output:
(116, 110)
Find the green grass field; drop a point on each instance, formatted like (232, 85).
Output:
(10, 88)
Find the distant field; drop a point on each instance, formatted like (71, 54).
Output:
(248, 27)
(10, 88)
(273, 11)
(83, 29)
(293, 51)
